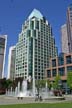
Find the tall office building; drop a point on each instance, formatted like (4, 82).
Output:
(35, 46)
(3, 42)
(69, 27)
(64, 39)
(11, 62)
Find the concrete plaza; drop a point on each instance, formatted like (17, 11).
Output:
(5, 100)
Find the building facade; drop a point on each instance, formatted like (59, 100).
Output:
(11, 63)
(64, 39)
(35, 46)
(3, 42)
(66, 32)
(60, 65)
(69, 27)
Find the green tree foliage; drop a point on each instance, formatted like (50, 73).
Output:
(39, 84)
(56, 82)
(8, 83)
(69, 79)
(49, 84)
(3, 83)
(42, 83)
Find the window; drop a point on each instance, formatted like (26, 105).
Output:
(38, 77)
(54, 63)
(28, 33)
(2, 41)
(32, 24)
(37, 24)
(61, 71)
(69, 68)
(54, 72)
(25, 69)
(1, 50)
(60, 61)
(34, 33)
(48, 73)
(70, 8)
(68, 59)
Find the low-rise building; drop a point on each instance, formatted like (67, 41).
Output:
(60, 65)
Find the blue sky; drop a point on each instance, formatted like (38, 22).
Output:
(13, 13)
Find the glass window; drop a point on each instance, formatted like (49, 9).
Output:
(28, 33)
(2, 41)
(69, 68)
(60, 61)
(34, 33)
(61, 71)
(37, 24)
(54, 72)
(48, 73)
(32, 24)
(54, 63)
(1, 50)
(68, 59)
(70, 8)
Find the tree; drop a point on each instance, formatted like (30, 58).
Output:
(69, 80)
(8, 83)
(3, 83)
(49, 84)
(41, 84)
(56, 82)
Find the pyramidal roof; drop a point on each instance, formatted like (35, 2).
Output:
(35, 13)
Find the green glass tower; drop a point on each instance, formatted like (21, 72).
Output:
(35, 46)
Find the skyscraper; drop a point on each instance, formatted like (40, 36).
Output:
(11, 62)
(35, 46)
(3, 42)
(64, 39)
(69, 27)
